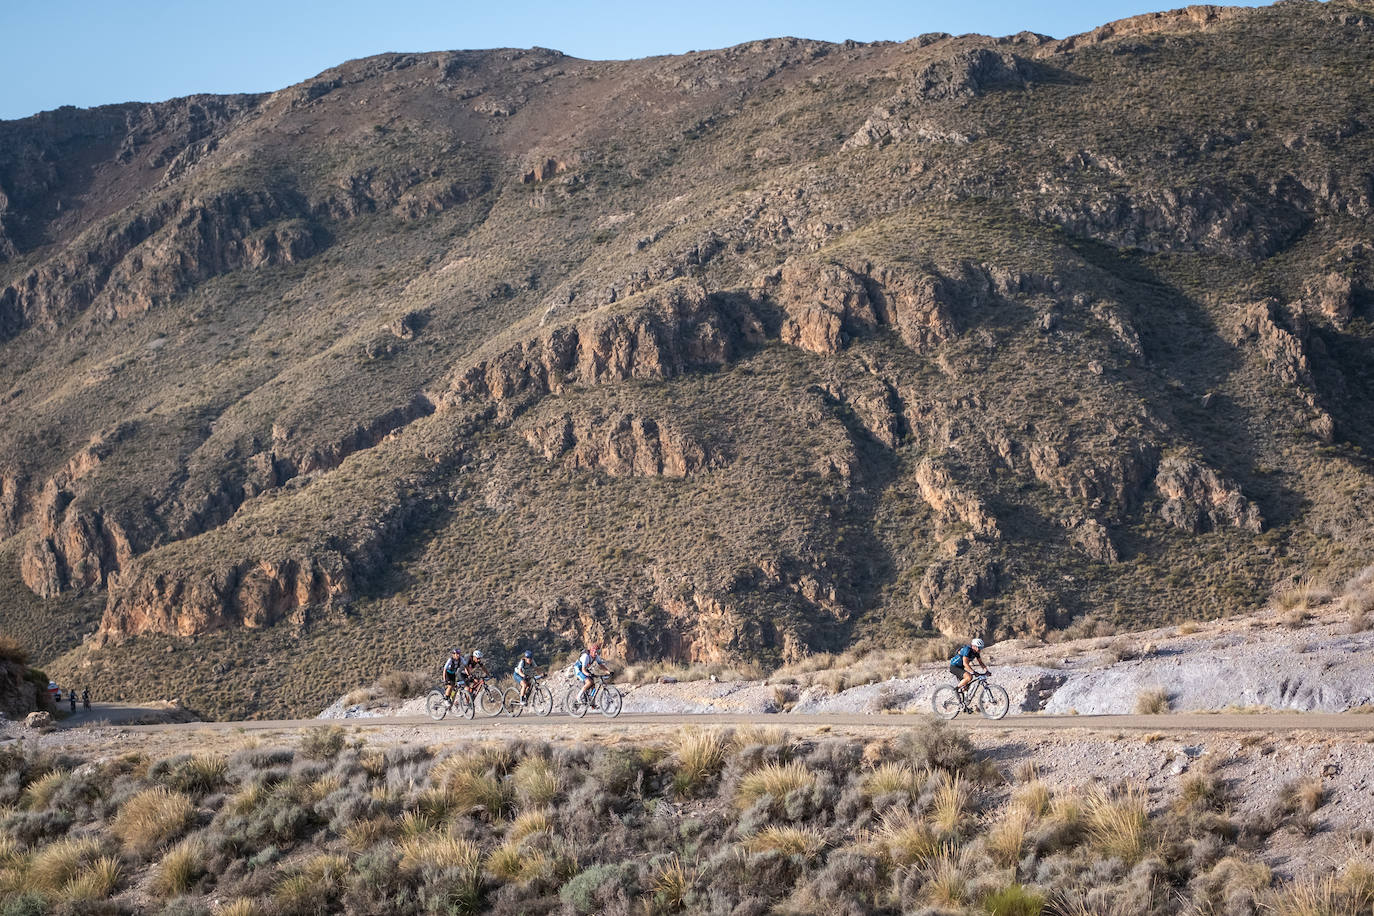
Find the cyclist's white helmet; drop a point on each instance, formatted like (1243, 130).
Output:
(476, 653)
(978, 644)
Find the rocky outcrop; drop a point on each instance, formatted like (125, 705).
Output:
(249, 594)
(1198, 499)
(620, 445)
(952, 502)
(1106, 483)
(1281, 338)
(1248, 222)
(962, 76)
(670, 330)
(825, 304)
(1189, 19)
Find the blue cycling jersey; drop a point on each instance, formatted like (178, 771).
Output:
(967, 652)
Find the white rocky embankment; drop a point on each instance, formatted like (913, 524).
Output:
(1241, 663)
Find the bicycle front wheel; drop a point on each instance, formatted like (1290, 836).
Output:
(465, 703)
(946, 702)
(490, 701)
(610, 701)
(541, 700)
(436, 705)
(573, 702)
(511, 701)
(993, 701)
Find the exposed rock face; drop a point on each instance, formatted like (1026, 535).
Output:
(620, 445)
(675, 328)
(824, 303)
(1262, 325)
(952, 502)
(38, 720)
(1197, 498)
(253, 594)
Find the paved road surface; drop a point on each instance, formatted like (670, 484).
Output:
(1259, 722)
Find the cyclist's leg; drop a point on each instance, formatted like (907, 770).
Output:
(524, 686)
(586, 686)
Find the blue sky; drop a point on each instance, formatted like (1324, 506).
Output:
(85, 53)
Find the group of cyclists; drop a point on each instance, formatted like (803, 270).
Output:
(467, 671)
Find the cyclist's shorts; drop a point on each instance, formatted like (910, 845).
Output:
(519, 678)
(450, 677)
(958, 671)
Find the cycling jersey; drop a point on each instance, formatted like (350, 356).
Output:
(583, 668)
(453, 665)
(965, 655)
(524, 668)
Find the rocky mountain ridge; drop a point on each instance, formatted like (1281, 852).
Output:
(739, 354)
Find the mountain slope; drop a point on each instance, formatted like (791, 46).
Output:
(741, 353)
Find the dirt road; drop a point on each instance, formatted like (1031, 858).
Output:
(1276, 722)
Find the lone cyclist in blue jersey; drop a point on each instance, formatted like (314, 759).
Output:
(585, 669)
(961, 665)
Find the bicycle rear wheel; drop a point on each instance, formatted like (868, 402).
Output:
(511, 701)
(947, 702)
(490, 701)
(993, 701)
(573, 702)
(610, 701)
(541, 700)
(435, 704)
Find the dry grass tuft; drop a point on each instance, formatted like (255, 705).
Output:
(59, 863)
(946, 884)
(363, 834)
(758, 736)
(906, 840)
(700, 755)
(670, 883)
(1119, 826)
(528, 823)
(39, 792)
(807, 842)
(243, 906)
(97, 881)
(887, 778)
(1152, 702)
(179, 869)
(535, 782)
(439, 850)
(1007, 838)
(775, 780)
(151, 818)
(950, 803)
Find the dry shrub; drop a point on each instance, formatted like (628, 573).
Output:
(1232, 885)
(529, 823)
(1119, 825)
(758, 736)
(936, 745)
(179, 869)
(12, 651)
(807, 842)
(776, 780)
(535, 782)
(700, 755)
(1152, 702)
(312, 887)
(1034, 798)
(404, 685)
(1300, 598)
(946, 884)
(151, 818)
(905, 840)
(1201, 791)
(1188, 627)
(199, 773)
(1308, 794)
(323, 743)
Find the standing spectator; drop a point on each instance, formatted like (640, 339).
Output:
(86, 698)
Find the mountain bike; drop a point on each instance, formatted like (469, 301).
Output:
(539, 702)
(438, 705)
(603, 696)
(980, 696)
(488, 698)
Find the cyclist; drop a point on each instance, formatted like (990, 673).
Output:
(453, 666)
(585, 667)
(525, 669)
(473, 670)
(961, 665)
